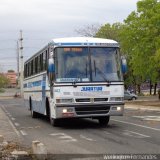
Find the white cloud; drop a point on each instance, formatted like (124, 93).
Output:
(47, 19)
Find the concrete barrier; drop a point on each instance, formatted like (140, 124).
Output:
(1, 138)
(39, 150)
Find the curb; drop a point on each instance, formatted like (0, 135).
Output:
(39, 150)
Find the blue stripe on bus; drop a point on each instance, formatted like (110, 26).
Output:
(33, 84)
(70, 44)
(88, 44)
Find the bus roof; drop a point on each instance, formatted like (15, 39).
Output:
(84, 41)
(79, 41)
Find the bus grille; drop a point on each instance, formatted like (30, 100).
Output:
(91, 99)
(92, 110)
(100, 99)
(83, 100)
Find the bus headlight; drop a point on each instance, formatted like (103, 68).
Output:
(114, 108)
(64, 111)
(116, 99)
(62, 100)
(68, 112)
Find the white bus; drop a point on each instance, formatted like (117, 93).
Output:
(78, 77)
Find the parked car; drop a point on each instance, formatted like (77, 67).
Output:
(129, 96)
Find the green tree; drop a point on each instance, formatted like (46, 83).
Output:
(3, 81)
(140, 40)
(110, 31)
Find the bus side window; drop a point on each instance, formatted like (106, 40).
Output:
(36, 67)
(44, 61)
(41, 62)
(38, 64)
(33, 66)
(46, 58)
(27, 69)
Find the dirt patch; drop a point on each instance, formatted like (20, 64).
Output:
(7, 149)
(145, 103)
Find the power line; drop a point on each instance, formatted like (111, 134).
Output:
(7, 65)
(11, 57)
(2, 62)
(35, 39)
(7, 40)
(7, 48)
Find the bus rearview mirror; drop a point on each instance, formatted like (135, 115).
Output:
(124, 65)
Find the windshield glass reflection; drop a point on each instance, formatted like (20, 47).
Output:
(87, 64)
(105, 64)
(72, 65)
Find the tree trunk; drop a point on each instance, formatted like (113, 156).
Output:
(139, 88)
(155, 88)
(150, 85)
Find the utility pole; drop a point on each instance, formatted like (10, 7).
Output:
(21, 63)
(18, 74)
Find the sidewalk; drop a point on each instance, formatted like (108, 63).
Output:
(7, 129)
(11, 146)
(9, 93)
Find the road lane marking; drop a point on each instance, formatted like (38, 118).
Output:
(70, 140)
(135, 134)
(138, 125)
(86, 138)
(64, 137)
(17, 124)
(23, 132)
(13, 119)
(56, 134)
(37, 127)
(9, 114)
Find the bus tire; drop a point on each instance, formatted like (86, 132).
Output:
(54, 122)
(33, 113)
(103, 121)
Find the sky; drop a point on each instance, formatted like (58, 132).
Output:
(43, 20)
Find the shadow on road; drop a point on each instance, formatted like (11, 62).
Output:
(78, 123)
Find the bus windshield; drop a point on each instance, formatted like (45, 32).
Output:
(88, 64)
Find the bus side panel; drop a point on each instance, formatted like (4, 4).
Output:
(42, 108)
(26, 97)
(35, 89)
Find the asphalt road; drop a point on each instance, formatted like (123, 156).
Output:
(137, 132)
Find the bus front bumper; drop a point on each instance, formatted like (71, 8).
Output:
(88, 110)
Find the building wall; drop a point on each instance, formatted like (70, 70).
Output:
(12, 78)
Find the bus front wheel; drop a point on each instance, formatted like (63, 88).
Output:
(104, 120)
(33, 113)
(54, 122)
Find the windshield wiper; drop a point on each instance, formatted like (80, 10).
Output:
(75, 81)
(102, 74)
